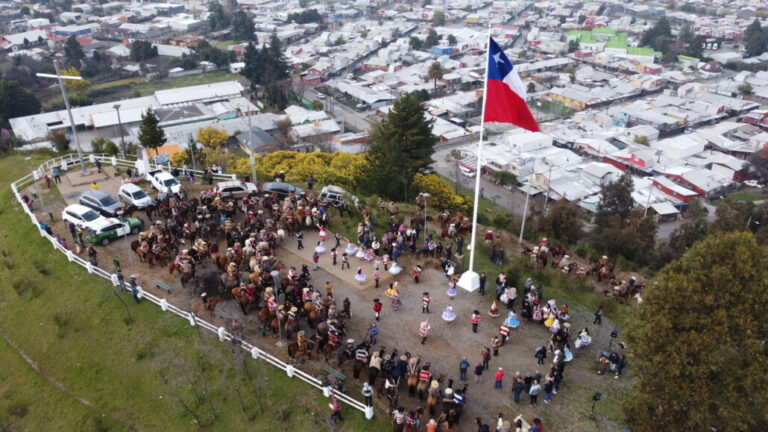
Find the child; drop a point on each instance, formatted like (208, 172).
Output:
(425, 300)
(344, 260)
(376, 278)
(334, 255)
(377, 308)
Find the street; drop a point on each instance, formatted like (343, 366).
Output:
(341, 112)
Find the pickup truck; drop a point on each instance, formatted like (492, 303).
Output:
(163, 181)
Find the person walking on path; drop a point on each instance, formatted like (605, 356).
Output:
(94, 186)
(377, 308)
(98, 165)
(548, 387)
(336, 409)
(499, 377)
(463, 366)
(425, 301)
(315, 261)
(475, 320)
(376, 278)
(334, 256)
(47, 179)
(373, 333)
(328, 288)
(540, 355)
(92, 255)
(534, 392)
(424, 331)
(135, 288)
(479, 371)
(598, 316)
(517, 389)
(486, 353)
(344, 260)
(496, 344)
(56, 175)
(300, 240)
(417, 273)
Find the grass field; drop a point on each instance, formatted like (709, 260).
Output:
(100, 371)
(749, 195)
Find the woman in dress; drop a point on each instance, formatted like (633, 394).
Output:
(360, 276)
(449, 315)
(512, 321)
(494, 311)
(452, 290)
(320, 248)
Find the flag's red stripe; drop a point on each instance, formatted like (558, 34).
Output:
(505, 106)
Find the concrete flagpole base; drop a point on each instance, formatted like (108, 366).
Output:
(469, 281)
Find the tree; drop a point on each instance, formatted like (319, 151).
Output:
(276, 97)
(254, 65)
(746, 88)
(243, 27)
(275, 64)
(151, 135)
(452, 40)
(16, 101)
(436, 72)
(695, 47)
(60, 142)
(563, 222)
(416, 43)
(399, 147)
(97, 144)
(504, 177)
(210, 136)
(708, 306)
(339, 41)
(581, 19)
(641, 139)
(74, 52)
(306, 16)
(438, 19)
(662, 29)
(755, 40)
(78, 86)
(615, 201)
(217, 18)
(142, 51)
(111, 149)
(432, 39)
(531, 87)
(573, 46)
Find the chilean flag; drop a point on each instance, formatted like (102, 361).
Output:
(505, 98)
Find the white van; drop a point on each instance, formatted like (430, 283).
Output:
(466, 171)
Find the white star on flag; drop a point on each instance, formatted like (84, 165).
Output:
(497, 57)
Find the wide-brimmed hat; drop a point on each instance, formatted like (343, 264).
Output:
(294, 309)
(435, 384)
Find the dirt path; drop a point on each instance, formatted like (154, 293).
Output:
(59, 385)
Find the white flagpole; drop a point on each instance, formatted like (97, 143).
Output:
(527, 196)
(470, 280)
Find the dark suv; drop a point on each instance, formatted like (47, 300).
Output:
(102, 202)
(281, 189)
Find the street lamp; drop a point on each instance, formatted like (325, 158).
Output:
(59, 77)
(251, 147)
(426, 196)
(120, 125)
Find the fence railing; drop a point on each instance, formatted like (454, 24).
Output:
(223, 335)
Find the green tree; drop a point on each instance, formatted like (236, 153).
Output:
(98, 144)
(307, 16)
(111, 149)
(695, 47)
(436, 72)
(698, 341)
(754, 39)
(452, 40)
(151, 135)
(16, 101)
(73, 52)
(641, 139)
(243, 27)
(416, 43)
(732, 215)
(276, 65)
(615, 201)
(276, 97)
(562, 222)
(438, 18)
(432, 39)
(573, 46)
(339, 41)
(746, 88)
(399, 147)
(142, 51)
(662, 29)
(531, 87)
(504, 177)
(254, 65)
(60, 142)
(217, 18)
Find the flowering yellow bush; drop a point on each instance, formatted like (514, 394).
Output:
(441, 193)
(341, 169)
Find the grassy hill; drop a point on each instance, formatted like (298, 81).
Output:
(95, 370)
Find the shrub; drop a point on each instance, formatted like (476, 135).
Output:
(441, 193)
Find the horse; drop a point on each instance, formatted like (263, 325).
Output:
(294, 352)
(210, 305)
(433, 398)
(412, 379)
(290, 326)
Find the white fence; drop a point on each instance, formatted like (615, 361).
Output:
(221, 332)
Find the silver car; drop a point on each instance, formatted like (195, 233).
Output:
(102, 202)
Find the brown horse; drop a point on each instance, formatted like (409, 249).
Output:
(294, 352)
(210, 305)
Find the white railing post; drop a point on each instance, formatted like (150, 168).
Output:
(70, 255)
(192, 319)
(164, 305)
(115, 280)
(139, 293)
(327, 392)
(89, 267)
(289, 371)
(368, 412)
(255, 353)
(114, 160)
(222, 334)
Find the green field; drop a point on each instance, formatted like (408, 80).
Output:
(98, 371)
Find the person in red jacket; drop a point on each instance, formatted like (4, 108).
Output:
(475, 320)
(377, 308)
(499, 378)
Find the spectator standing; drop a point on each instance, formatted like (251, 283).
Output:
(534, 392)
(377, 308)
(499, 378)
(475, 320)
(463, 366)
(373, 333)
(517, 389)
(598, 316)
(478, 372)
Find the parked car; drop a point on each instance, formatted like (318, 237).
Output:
(102, 202)
(112, 229)
(163, 181)
(82, 216)
(134, 195)
(466, 171)
(335, 195)
(236, 188)
(281, 189)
